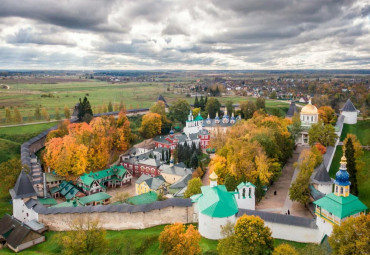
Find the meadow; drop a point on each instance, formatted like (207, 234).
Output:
(135, 241)
(27, 96)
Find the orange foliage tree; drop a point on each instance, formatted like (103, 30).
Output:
(75, 148)
(321, 148)
(327, 115)
(175, 239)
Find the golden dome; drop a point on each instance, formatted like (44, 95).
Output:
(309, 109)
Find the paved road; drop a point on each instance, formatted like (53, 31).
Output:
(281, 203)
(27, 124)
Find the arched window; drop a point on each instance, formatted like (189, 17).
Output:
(341, 190)
(250, 191)
(336, 189)
(243, 192)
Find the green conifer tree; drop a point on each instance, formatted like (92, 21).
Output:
(351, 166)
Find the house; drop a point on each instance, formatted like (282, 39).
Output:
(173, 173)
(66, 190)
(334, 208)
(172, 140)
(94, 182)
(100, 198)
(53, 180)
(16, 235)
(147, 183)
(142, 164)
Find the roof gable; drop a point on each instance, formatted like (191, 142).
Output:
(23, 187)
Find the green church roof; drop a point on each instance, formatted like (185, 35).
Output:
(198, 118)
(146, 198)
(88, 179)
(216, 201)
(341, 206)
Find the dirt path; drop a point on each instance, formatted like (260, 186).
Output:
(280, 203)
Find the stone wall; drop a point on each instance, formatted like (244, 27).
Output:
(121, 220)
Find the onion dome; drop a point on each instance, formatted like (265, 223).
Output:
(309, 109)
(342, 176)
(172, 132)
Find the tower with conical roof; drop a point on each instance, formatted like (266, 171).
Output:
(334, 208)
(349, 112)
(22, 192)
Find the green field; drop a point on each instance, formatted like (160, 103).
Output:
(11, 138)
(361, 130)
(143, 241)
(26, 96)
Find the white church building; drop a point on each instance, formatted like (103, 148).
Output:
(309, 115)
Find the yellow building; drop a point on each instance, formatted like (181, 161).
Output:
(147, 183)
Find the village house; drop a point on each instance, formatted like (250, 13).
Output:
(16, 235)
(94, 182)
(147, 183)
(66, 190)
(142, 164)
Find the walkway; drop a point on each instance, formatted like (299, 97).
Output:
(280, 203)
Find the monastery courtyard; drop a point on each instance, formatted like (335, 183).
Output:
(280, 203)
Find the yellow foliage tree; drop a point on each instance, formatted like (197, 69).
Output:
(175, 239)
(285, 249)
(151, 125)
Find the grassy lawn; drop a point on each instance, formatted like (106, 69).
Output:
(361, 130)
(11, 138)
(143, 241)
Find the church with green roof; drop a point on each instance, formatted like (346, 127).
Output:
(216, 206)
(334, 208)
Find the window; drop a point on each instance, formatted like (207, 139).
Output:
(341, 190)
(243, 192)
(250, 191)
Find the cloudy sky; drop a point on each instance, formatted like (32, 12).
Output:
(184, 34)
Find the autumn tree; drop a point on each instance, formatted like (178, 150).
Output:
(250, 236)
(151, 125)
(160, 108)
(322, 133)
(327, 115)
(122, 134)
(247, 108)
(66, 156)
(176, 239)
(9, 171)
(37, 113)
(110, 107)
(296, 127)
(212, 107)
(17, 115)
(299, 190)
(179, 111)
(358, 150)
(260, 103)
(352, 236)
(57, 114)
(8, 115)
(285, 249)
(45, 114)
(86, 237)
(67, 113)
(193, 187)
(229, 107)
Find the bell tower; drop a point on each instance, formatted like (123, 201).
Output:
(342, 183)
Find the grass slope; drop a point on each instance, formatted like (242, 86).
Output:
(361, 130)
(143, 241)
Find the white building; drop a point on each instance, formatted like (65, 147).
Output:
(309, 115)
(245, 196)
(321, 180)
(193, 126)
(349, 112)
(21, 194)
(215, 207)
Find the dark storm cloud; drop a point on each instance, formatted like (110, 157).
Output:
(85, 15)
(26, 36)
(165, 33)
